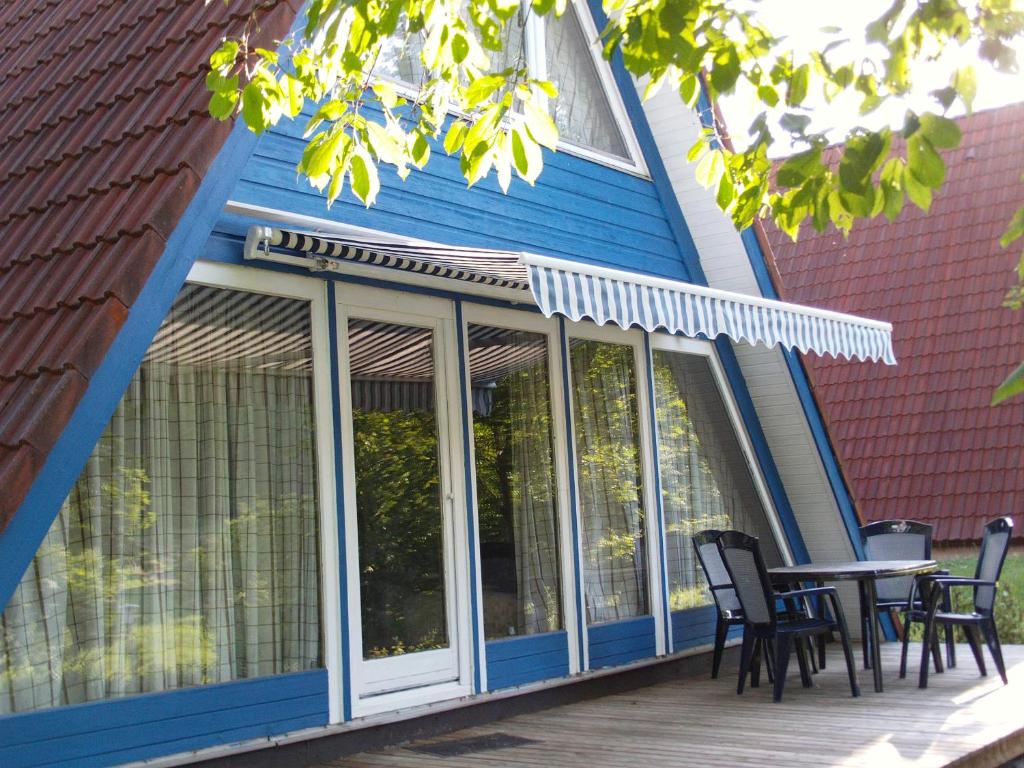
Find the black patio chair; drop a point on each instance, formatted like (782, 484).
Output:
(729, 612)
(900, 540)
(935, 594)
(764, 630)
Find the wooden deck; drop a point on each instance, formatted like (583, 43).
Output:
(961, 719)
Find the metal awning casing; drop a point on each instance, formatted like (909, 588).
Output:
(578, 290)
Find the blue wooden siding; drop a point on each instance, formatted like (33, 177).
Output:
(620, 642)
(578, 210)
(520, 660)
(695, 627)
(141, 727)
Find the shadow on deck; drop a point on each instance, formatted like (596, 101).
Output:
(962, 719)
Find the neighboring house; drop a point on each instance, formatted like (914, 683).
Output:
(277, 472)
(920, 440)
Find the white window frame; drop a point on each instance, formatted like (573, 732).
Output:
(378, 304)
(700, 348)
(537, 61)
(613, 334)
(313, 290)
(518, 320)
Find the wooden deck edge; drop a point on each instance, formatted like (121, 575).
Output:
(995, 754)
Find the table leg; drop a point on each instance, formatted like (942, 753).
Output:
(876, 635)
(865, 624)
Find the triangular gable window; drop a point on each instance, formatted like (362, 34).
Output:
(589, 114)
(582, 110)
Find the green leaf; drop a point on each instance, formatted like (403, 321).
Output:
(919, 194)
(322, 152)
(796, 93)
(526, 155)
(419, 149)
(456, 135)
(460, 47)
(794, 123)
(768, 95)
(294, 96)
(726, 192)
(710, 168)
(363, 172)
(1013, 385)
(688, 90)
(942, 132)
(966, 84)
(224, 57)
(800, 167)
(254, 110)
(222, 105)
(482, 88)
(1014, 230)
(540, 125)
(923, 161)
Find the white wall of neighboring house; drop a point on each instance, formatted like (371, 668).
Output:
(771, 387)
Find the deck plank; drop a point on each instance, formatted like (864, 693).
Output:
(697, 722)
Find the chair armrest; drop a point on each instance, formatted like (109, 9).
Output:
(810, 591)
(961, 581)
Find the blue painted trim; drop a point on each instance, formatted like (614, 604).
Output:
(460, 345)
(339, 496)
(570, 450)
(20, 541)
(659, 502)
(150, 725)
(809, 405)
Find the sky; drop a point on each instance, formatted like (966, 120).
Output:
(802, 20)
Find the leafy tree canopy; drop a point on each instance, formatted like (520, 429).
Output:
(502, 119)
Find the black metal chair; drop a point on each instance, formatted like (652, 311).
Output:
(899, 540)
(935, 595)
(764, 631)
(729, 612)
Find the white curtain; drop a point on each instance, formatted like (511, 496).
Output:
(187, 552)
(705, 480)
(609, 479)
(581, 109)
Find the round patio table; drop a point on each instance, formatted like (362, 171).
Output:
(865, 573)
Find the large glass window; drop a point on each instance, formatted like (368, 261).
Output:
(515, 481)
(606, 423)
(398, 488)
(705, 480)
(187, 552)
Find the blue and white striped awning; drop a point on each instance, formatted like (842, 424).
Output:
(577, 291)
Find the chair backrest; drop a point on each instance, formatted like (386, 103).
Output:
(994, 544)
(705, 544)
(896, 540)
(742, 557)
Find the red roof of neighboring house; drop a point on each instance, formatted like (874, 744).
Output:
(920, 440)
(104, 140)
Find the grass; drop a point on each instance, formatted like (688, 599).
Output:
(1009, 601)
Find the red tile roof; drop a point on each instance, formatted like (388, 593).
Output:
(920, 440)
(104, 140)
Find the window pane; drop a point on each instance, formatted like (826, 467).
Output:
(515, 481)
(400, 57)
(581, 109)
(187, 552)
(398, 489)
(705, 480)
(610, 480)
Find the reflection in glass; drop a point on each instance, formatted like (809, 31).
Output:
(607, 431)
(515, 481)
(705, 480)
(581, 109)
(398, 489)
(187, 552)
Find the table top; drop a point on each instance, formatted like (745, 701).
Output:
(854, 569)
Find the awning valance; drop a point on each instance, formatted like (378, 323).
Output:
(577, 290)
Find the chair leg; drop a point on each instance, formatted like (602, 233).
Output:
(721, 631)
(769, 661)
(812, 654)
(936, 653)
(821, 651)
(865, 623)
(926, 646)
(782, 647)
(844, 638)
(801, 659)
(992, 640)
(755, 663)
(746, 651)
(904, 649)
(975, 643)
(947, 606)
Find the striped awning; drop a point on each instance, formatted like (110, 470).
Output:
(628, 299)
